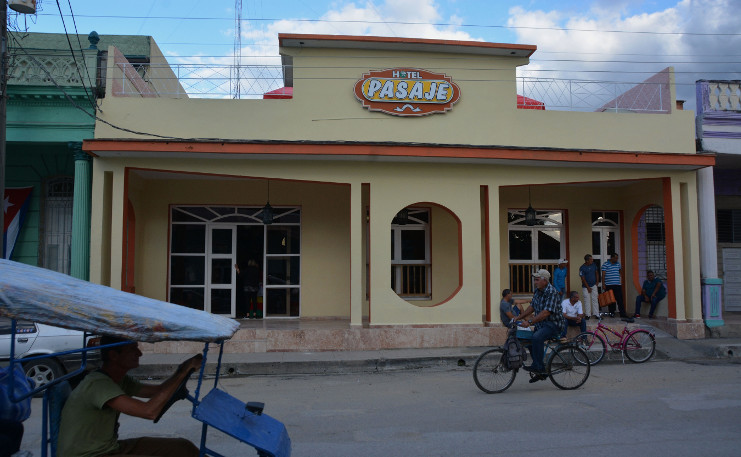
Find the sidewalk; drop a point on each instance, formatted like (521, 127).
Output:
(296, 363)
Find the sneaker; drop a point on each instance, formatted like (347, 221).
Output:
(538, 377)
(637, 316)
(611, 314)
(650, 316)
(586, 318)
(531, 369)
(563, 339)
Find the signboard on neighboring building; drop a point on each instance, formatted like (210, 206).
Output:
(407, 92)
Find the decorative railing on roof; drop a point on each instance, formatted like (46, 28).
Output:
(255, 81)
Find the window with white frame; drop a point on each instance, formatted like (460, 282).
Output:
(542, 242)
(533, 247)
(410, 253)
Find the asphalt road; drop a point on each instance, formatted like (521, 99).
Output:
(657, 408)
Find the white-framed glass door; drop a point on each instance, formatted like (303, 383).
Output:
(605, 235)
(221, 256)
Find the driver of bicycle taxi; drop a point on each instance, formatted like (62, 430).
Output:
(89, 425)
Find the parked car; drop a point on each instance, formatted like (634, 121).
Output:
(33, 339)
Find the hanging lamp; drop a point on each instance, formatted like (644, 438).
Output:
(529, 212)
(267, 210)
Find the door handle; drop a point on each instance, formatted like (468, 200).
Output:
(22, 340)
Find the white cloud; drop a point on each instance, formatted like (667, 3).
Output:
(635, 52)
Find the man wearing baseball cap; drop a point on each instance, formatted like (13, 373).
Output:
(548, 320)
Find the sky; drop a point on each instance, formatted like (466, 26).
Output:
(599, 40)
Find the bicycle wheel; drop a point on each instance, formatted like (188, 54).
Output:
(490, 372)
(593, 345)
(639, 346)
(564, 368)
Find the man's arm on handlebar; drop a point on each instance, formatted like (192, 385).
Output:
(158, 394)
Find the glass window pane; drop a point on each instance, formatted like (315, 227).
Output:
(188, 239)
(182, 215)
(549, 244)
(282, 302)
(422, 215)
(520, 245)
(613, 216)
(191, 297)
(287, 216)
(187, 270)
(413, 245)
(554, 217)
(393, 245)
(221, 301)
(284, 240)
(221, 241)
(611, 248)
(283, 271)
(596, 215)
(221, 271)
(596, 245)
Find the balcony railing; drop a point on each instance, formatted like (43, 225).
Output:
(253, 81)
(521, 276)
(411, 281)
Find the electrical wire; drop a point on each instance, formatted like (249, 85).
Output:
(435, 24)
(74, 58)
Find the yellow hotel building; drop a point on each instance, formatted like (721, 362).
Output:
(398, 212)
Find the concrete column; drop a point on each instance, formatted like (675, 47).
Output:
(80, 262)
(711, 284)
(356, 254)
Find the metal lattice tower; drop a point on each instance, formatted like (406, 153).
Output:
(237, 48)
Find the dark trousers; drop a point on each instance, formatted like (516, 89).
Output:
(617, 289)
(547, 330)
(156, 447)
(569, 323)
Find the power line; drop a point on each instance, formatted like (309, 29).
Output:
(74, 57)
(435, 24)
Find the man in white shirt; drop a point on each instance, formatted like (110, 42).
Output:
(573, 313)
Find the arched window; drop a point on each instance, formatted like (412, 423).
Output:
(651, 242)
(57, 224)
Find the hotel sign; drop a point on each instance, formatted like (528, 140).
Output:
(407, 92)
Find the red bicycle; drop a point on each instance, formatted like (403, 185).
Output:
(637, 345)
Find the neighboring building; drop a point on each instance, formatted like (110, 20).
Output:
(381, 217)
(719, 133)
(50, 111)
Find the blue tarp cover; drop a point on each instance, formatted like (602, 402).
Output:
(48, 297)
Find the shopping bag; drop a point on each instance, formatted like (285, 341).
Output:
(606, 298)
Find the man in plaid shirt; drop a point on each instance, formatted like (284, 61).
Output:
(548, 320)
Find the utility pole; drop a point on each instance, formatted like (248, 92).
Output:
(3, 99)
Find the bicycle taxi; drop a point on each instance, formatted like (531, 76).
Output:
(44, 296)
(566, 364)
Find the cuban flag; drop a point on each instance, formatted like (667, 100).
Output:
(15, 207)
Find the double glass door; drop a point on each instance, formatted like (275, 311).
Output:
(605, 235)
(222, 257)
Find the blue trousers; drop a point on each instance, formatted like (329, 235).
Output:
(569, 323)
(537, 349)
(654, 301)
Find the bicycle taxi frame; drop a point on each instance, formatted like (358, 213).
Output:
(44, 296)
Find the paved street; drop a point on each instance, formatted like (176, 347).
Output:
(658, 408)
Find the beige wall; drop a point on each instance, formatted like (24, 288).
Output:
(324, 108)
(329, 256)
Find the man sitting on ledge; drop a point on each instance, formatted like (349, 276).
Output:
(652, 292)
(89, 426)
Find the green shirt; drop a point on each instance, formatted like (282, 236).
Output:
(88, 427)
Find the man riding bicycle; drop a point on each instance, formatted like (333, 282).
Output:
(548, 321)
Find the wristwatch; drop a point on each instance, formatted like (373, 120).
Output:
(530, 321)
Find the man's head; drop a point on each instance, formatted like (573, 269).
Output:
(562, 263)
(613, 257)
(125, 356)
(506, 295)
(573, 297)
(650, 275)
(540, 278)
(588, 259)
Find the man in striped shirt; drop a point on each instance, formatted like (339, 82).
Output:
(611, 276)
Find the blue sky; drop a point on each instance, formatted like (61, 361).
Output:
(700, 38)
